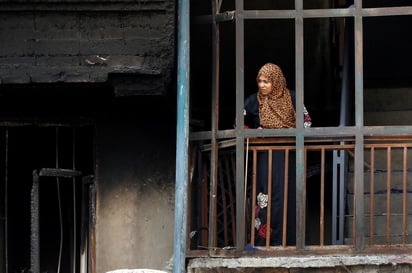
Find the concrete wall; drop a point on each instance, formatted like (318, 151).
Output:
(135, 180)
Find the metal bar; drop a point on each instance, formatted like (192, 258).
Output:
(232, 167)
(322, 198)
(269, 14)
(205, 221)
(240, 140)
(182, 133)
(328, 13)
(224, 205)
(285, 198)
(307, 13)
(253, 204)
(215, 126)
(359, 185)
(390, 11)
(372, 198)
(300, 139)
(347, 131)
(269, 206)
(388, 195)
(405, 196)
(58, 172)
(342, 191)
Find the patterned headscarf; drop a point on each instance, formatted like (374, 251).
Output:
(276, 109)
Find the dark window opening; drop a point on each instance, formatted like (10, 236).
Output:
(63, 157)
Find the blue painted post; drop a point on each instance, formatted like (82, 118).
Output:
(182, 136)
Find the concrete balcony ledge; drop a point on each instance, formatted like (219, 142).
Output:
(211, 264)
(141, 270)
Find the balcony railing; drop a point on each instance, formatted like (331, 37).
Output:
(387, 186)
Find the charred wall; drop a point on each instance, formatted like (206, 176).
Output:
(88, 42)
(107, 66)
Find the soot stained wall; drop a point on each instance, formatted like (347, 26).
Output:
(135, 172)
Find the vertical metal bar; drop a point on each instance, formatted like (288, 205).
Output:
(322, 198)
(269, 206)
(224, 204)
(253, 204)
(335, 168)
(372, 199)
(182, 135)
(35, 228)
(240, 140)
(215, 120)
(232, 167)
(359, 138)
(300, 166)
(285, 199)
(342, 190)
(388, 194)
(205, 222)
(405, 195)
(338, 193)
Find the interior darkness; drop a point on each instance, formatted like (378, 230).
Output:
(33, 148)
(49, 126)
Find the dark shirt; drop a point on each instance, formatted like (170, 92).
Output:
(251, 112)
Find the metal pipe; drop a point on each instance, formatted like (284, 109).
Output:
(182, 135)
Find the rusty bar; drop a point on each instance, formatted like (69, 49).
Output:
(232, 166)
(269, 193)
(252, 228)
(204, 219)
(315, 132)
(405, 196)
(388, 196)
(285, 199)
(240, 140)
(224, 202)
(215, 124)
(322, 199)
(213, 197)
(372, 198)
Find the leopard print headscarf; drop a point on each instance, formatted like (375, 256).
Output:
(276, 109)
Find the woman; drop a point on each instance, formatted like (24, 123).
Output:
(272, 107)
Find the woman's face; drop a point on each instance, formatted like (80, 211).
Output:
(264, 85)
